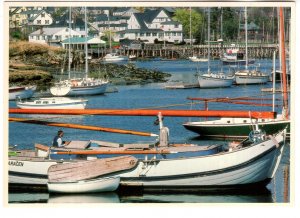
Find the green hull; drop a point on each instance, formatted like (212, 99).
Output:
(234, 131)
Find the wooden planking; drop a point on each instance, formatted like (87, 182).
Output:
(106, 144)
(78, 144)
(72, 172)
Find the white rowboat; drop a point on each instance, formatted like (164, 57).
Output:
(106, 184)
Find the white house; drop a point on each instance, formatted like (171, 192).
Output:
(53, 35)
(152, 25)
(38, 18)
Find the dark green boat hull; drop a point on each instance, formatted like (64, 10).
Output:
(234, 131)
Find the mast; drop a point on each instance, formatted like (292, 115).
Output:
(69, 55)
(208, 42)
(274, 78)
(191, 43)
(246, 38)
(283, 65)
(85, 45)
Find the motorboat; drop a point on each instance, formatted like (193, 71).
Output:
(53, 103)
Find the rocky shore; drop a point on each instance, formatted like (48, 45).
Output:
(36, 64)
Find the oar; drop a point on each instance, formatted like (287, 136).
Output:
(95, 152)
(78, 126)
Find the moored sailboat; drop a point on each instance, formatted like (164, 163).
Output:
(213, 80)
(80, 86)
(247, 76)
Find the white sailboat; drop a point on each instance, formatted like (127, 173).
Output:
(194, 58)
(247, 76)
(80, 86)
(213, 80)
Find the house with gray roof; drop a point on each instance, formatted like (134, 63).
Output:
(151, 26)
(53, 35)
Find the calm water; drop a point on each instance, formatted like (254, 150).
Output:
(151, 96)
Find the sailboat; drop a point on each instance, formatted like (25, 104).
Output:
(238, 128)
(113, 56)
(247, 76)
(213, 80)
(80, 86)
(194, 58)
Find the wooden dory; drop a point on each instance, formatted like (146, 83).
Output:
(88, 176)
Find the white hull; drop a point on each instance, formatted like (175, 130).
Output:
(253, 164)
(88, 90)
(28, 92)
(214, 81)
(196, 59)
(244, 77)
(242, 80)
(60, 90)
(106, 184)
(114, 58)
(69, 104)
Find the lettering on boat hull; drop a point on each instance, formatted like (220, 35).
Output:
(16, 163)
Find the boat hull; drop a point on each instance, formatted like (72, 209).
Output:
(106, 184)
(236, 62)
(214, 82)
(249, 166)
(73, 105)
(24, 93)
(233, 131)
(242, 80)
(88, 90)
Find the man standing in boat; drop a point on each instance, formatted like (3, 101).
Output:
(57, 141)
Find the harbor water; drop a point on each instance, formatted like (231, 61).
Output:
(153, 96)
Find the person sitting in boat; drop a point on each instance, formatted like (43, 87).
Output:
(57, 141)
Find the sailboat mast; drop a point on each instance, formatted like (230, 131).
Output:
(69, 55)
(191, 42)
(208, 41)
(246, 37)
(85, 45)
(283, 64)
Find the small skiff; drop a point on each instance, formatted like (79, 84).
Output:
(106, 184)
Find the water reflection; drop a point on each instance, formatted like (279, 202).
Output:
(109, 197)
(258, 196)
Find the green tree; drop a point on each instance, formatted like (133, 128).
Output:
(182, 15)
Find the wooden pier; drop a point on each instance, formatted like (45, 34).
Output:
(182, 52)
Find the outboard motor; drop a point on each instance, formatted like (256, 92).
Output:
(163, 132)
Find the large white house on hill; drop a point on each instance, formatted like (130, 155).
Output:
(152, 25)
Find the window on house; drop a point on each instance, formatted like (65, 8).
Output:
(43, 15)
(148, 34)
(38, 21)
(47, 22)
(176, 26)
(174, 34)
(142, 34)
(154, 34)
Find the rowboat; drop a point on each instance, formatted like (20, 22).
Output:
(106, 184)
(53, 103)
(21, 92)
